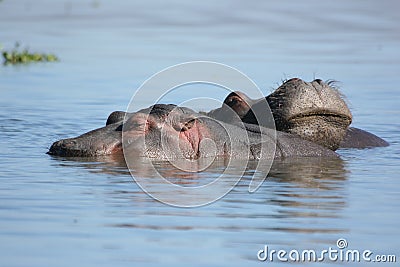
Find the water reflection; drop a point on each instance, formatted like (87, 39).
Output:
(296, 188)
(300, 195)
(322, 173)
(110, 164)
(305, 189)
(318, 173)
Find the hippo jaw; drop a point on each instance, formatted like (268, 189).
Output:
(319, 114)
(320, 126)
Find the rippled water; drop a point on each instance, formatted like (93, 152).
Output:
(63, 212)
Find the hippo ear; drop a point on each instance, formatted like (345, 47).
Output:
(185, 124)
(239, 102)
(237, 96)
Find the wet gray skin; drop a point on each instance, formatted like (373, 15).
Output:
(167, 131)
(357, 138)
(314, 111)
(99, 142)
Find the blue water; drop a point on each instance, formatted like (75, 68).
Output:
(65, 212)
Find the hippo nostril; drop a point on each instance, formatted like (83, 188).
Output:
(67, 144)
(319, 81)
(294, 80)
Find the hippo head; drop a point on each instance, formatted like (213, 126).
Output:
(314, 111)
(160, 131)
(166, 132)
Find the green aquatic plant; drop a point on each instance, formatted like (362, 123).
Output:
(17, 56)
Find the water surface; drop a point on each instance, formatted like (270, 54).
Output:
(88, 212)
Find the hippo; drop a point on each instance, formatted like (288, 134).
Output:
(324, 118)
(313, 110)
(311, 119)
(165, 131)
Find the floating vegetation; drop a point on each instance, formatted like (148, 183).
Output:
(17, 56)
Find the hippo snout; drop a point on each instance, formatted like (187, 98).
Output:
(99, 142)
(60, 148)
(66, 144)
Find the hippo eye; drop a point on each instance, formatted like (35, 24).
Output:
(232, 100)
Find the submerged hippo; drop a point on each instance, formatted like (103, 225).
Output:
(314, 111)
(168, 131)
